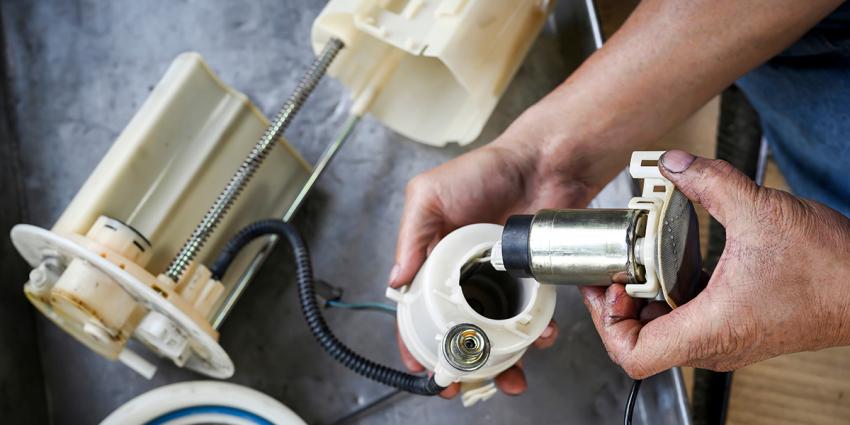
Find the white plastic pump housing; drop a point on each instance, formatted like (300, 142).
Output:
(96, 272)
(511, 312)
(432, 70)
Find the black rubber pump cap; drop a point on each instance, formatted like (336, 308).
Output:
(515, 254)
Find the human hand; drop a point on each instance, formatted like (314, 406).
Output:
(488, 184)
(780, 286)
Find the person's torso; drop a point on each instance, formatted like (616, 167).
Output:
(803, 98)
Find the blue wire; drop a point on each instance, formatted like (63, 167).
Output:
(361, 306)
(201, 410)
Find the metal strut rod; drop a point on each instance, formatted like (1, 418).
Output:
(253, 161)
(218, 316)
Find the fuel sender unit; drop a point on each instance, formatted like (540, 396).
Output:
(98, 273)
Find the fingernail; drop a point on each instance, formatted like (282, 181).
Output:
(547, 333)
(676, 161)
(394, 274)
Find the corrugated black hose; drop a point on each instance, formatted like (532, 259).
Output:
(416, 384)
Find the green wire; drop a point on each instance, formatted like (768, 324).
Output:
(362, 306)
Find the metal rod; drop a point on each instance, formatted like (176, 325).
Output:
(681, 394)
(595, 24)
(252, 269)
(323, 162)
(253, 161)
(761, 167)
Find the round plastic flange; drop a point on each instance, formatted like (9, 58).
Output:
(434, 302)
(187, 395)
(210, 359)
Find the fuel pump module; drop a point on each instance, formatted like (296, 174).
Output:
(651, 247)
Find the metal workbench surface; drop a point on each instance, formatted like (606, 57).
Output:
(78, 71)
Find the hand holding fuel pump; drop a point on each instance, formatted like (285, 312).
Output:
(484, 185)
(768, 295)
(778, 287)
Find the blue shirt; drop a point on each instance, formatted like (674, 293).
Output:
(803, 99)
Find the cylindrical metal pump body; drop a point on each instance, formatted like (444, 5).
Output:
(583, 246)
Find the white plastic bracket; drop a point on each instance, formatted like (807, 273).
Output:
(473, 392)
(656, 191)
(137, 363)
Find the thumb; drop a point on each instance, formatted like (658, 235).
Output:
(715, 184)
(642, 350)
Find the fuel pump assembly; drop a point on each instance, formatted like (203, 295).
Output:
(651, 247)
(486, 292)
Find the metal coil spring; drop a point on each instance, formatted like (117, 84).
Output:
(253, 161)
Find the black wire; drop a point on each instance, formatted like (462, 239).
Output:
(630, 402)
(416, 384)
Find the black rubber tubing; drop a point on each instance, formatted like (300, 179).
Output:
(416, 384)
(630, 402)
